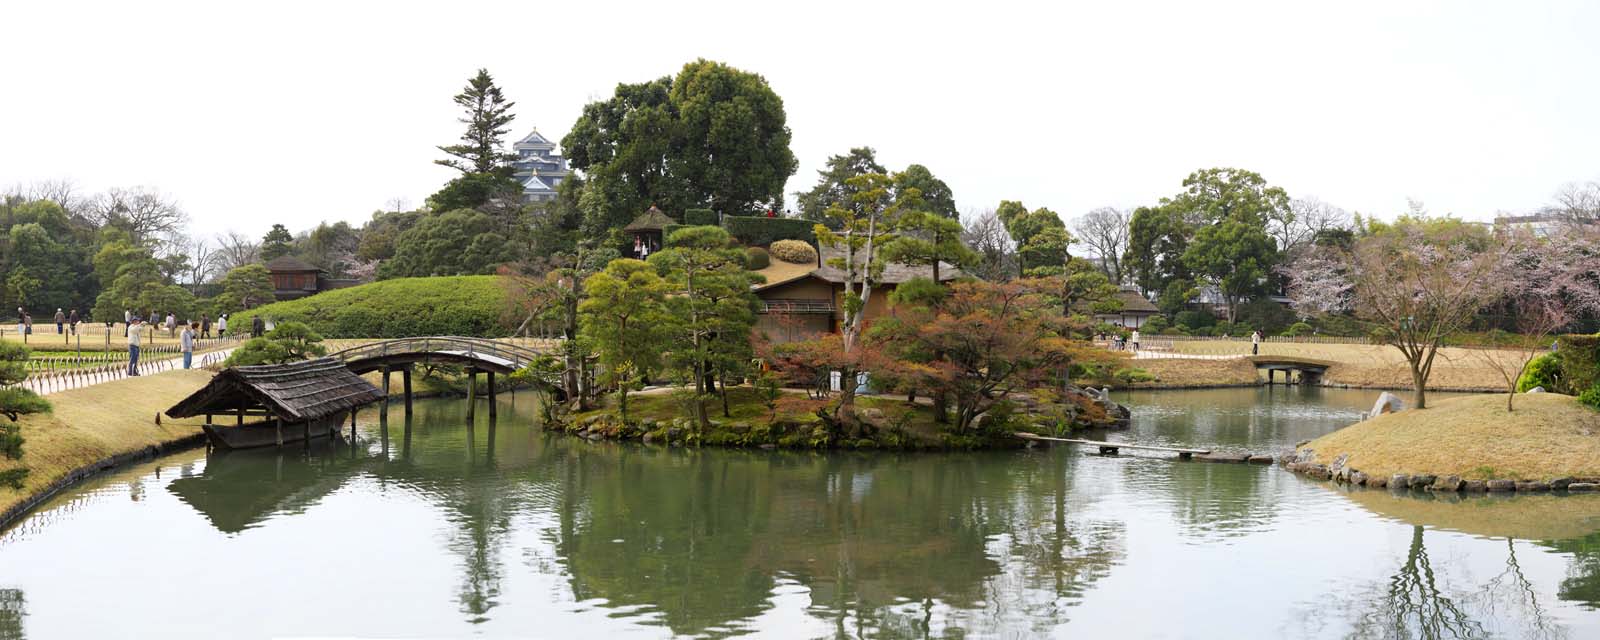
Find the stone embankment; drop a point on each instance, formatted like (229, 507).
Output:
(1302, 462)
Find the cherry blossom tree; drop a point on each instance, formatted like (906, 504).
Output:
(1547, 284)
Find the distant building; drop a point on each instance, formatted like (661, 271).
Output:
(1541, 224)
(802, 301)
(295, 278)
(1136, 309)
(538, 167)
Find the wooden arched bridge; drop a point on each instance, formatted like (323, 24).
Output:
(477, 355)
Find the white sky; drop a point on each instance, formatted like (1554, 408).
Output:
(295, 112)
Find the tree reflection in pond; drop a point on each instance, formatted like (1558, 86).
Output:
(13, 607)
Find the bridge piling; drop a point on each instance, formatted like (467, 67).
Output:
(405, 381)
(472, 393)
(383, 408)
(491, 401)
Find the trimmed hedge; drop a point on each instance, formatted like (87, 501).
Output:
(756, 259)
(699, 217)
(398, 308)
(793, 252)
(1580, 361)
(762, 231)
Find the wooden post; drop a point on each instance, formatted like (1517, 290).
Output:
(472, 393)
(241, 414)
(353, 427)
(305, 432)
(383, 409)
(405, 380)
(277, 429)
(491, 398)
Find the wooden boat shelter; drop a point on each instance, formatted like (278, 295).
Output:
(317, 391)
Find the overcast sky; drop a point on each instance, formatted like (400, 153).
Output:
(254, 113)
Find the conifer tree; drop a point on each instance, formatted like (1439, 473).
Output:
(488, 119)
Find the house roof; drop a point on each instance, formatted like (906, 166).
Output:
(295, 392)
(652, 220)
(290, 264)
(533, 183)
(534, 138)
(1134, 302)
(780, 272)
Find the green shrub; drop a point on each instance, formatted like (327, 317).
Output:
(1265, 314)
(756, 259)
(1192, 320)
(1543, 371)
(1342, 326)
(667, 231)
(1231, 329)
(403, 307)
(761, 231)
(793, 252)
(1131, 375)
(1591, 397)
(1156, 324)
(289, 342)
(1580, 361)
(1299, 329)
(696, 217)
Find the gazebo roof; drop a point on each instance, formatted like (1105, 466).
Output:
(652, 220)
(293, 393)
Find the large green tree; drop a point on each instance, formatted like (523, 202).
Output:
(833, 179)
(245, 287)
(460, 242)
(277, 243)
(713, 137)
(1234, 256)
(936, 195)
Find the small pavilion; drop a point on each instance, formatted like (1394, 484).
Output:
(647, 232)
(317, 391)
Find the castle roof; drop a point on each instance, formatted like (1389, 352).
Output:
(535, 139)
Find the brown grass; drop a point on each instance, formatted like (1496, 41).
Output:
(1376, 366)
(1177, 372)
(1548, 436)
(98, 422)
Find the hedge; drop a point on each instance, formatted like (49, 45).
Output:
(699, 217)
(1580, 361)
(761, 231)
(398, 308)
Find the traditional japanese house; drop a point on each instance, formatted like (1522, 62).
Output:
(295, 402)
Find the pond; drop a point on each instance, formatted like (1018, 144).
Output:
(511, 532)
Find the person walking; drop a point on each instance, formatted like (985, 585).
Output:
(258, 327)
(72, 320)
(205, 325)
(27, 324)
(222, 325)
(1134, 338)
(127, 319)
(61, 322)
(186, 341)
(1255, 342)
(22, 323)
(134, 328)
(172, 325)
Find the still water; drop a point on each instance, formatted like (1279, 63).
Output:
(512, 533)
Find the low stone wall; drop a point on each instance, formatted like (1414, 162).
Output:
(1302, 462)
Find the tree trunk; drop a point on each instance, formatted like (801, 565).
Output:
(1419, 394)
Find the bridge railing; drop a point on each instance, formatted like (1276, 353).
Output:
(517, 354)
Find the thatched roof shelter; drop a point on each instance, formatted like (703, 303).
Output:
(293, 393)
(651, 220)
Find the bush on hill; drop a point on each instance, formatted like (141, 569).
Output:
(398, 308)
(761, 231)
(793, 252)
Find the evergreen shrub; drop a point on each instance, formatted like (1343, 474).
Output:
(761, 231)
(794, 252)
(470, 306)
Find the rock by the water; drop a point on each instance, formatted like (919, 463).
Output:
(1399, 481)
(1560, 483)
(1475, 486)
(1357, 478)
(1532, 485)
(1583, 486)
(1260, 459)
(1387, 403)
(1377, 482)
(1501, 485)
(1450, 484)
(1536, 390)
(1422, 481)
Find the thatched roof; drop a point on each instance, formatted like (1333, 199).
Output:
(652, 220)
(296, 392)
(1134, 302)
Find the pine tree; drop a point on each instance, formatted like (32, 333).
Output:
(277, 243)
(488, 119)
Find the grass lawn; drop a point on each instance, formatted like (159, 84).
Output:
(1382, 366)
(1178, 372)
(1547, 436)
(98, 422)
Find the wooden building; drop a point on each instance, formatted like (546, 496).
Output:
(647, 232)
(1135, 310)
(801, 301)
(297, 401)
(295, 278)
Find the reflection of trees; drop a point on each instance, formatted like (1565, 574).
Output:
(1582, 584)
(1514, 593)
(1413, 606)
(12, 609)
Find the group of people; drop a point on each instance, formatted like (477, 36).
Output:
(1120, 342)
(64, 322)
(171, 324)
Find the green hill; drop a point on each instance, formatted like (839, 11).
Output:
(398, 308)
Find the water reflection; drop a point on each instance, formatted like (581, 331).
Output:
(498, 529)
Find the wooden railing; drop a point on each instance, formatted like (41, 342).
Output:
(519, 355)
(799, 305)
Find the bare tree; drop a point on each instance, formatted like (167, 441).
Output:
(1307, 218)
(235, 250)
(1578, 202)
(1418, 283)
(986, 234)
(203, 258)
(144, 213)
(1105, 232)
(61, 191)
